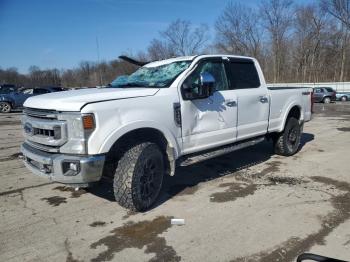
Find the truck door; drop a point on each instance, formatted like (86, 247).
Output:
(252, 97)
(318, 94)
(208, 122)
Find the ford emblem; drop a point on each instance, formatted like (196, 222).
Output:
(28, 129)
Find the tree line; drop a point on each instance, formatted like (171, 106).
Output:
(293, 43)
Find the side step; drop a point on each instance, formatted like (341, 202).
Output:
(196, 158)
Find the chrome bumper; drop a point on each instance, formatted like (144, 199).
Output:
(52, 167)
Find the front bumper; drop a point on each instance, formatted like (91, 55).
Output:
(51, 166)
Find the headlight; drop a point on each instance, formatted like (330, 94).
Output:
(79, 128)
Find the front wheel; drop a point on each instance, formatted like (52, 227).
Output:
(5, 107)
(287, 142)
(327, 100)
(344, 98)
(138, 177)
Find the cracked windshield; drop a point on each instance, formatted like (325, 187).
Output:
(152, 76)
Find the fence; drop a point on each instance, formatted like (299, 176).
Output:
(338, 86)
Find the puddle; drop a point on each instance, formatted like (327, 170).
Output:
(97, 224)
(272, 167)
(74, 193)
(11, 157)
(288, 250)
(7, 123)
(234, 190)
(20, 190)
(246, 184)
(55, 200)
(138, 235)
(344, 129)
(292, 181)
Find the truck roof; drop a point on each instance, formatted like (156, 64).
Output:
(189, 58)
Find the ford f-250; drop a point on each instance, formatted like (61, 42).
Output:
(172, 112)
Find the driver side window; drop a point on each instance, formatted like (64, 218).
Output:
(216, 69)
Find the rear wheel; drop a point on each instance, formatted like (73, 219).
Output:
(138, 177)
(326, 100)
(344, 98)
(287, 142)
(5, 107)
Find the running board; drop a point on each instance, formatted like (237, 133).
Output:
(196, 158)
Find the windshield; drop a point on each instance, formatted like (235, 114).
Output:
(157, 76)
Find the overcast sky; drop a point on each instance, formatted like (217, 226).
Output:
(62, 33)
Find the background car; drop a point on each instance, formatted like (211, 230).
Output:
(343, 96)
(7, 88)
(15, 99)
(324, 94)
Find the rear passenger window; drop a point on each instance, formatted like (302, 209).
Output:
(243, 75)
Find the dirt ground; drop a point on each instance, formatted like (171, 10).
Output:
(250, 205)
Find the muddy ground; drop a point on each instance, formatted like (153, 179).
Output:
(250, 205)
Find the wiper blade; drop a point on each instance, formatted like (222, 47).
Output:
(132, 85)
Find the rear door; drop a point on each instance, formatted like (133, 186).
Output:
(252, 97)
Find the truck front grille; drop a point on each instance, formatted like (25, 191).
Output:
(42, 128)
(44, 132)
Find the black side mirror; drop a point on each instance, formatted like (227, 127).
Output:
(204, 88)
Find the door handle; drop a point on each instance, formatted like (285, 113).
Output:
(231, 103)
(263, 99)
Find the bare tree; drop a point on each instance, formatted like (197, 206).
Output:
(238, 31)
(340, 9)
(158, 50)
(309, 39)
(278, 17)
(181, 38)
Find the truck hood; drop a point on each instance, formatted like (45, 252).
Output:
(76, 99)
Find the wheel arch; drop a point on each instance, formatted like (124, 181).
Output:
(7, 100)
(326, 97)
(128, 136)
(295, 111)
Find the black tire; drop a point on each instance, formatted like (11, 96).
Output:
(138, 177)
(344, 98)
(326, 100)
(287, 142)
(5, 107)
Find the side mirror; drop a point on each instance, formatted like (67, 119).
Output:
(207, 82)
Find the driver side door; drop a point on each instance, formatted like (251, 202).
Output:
(212, 121)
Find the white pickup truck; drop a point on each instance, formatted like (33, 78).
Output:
(172, 112)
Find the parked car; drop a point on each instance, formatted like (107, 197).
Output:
(16, 98)
(178, 111)
(343, 97)
(6, 88)
(324, 95)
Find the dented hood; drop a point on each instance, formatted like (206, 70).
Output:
(76, 99)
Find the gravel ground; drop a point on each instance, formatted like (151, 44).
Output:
(250, 205)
